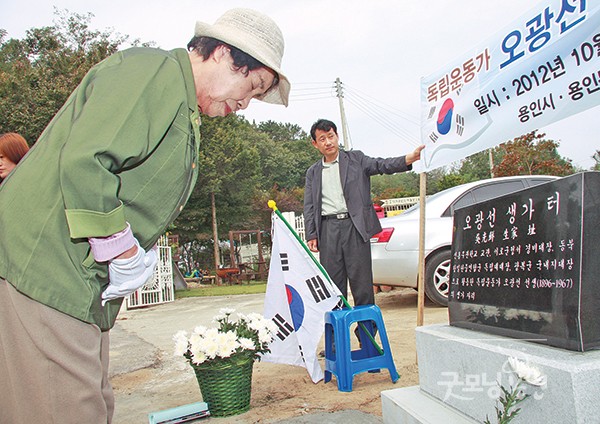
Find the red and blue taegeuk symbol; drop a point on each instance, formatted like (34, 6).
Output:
(444, 120)
(296, 306)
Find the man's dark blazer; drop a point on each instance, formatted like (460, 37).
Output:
(356, 170)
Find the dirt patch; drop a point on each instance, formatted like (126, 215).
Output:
(283, 391)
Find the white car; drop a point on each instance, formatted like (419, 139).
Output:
(395, 250)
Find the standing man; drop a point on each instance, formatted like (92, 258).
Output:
(339, 217)
(82, 211)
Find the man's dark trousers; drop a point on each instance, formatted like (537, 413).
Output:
(347, 257)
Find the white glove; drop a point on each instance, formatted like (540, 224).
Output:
(127, 275)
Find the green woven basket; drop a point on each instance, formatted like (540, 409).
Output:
(226, 385)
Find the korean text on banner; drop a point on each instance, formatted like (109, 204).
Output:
(298, 296)
(540, 69)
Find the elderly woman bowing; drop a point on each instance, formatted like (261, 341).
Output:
(111, 171)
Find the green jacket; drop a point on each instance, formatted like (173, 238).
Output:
(122, 149)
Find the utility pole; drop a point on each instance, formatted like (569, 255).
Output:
(491, 164)
(340, 96)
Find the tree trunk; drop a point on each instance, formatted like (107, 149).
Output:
(213, 208)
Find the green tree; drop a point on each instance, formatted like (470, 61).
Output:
(279, 132)
(438, 180)
(241, 168)
(291, 200)
(229, 171)
(39, 72)
(596, 157)
(450, 180)
(532, 154)
(394, 186)
(477, 166)
(287, 155)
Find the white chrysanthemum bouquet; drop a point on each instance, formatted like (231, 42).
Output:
(507, 409)
(246, 336)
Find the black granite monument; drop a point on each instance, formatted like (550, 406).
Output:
(527, 265)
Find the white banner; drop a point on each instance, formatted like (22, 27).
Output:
(298, 296)
(540, 69)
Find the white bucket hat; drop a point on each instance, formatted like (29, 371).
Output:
(257, 35)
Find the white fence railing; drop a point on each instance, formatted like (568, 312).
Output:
(391, 207)
(160, 288)
(396, 206)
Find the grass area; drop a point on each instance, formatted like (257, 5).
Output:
(224, 290)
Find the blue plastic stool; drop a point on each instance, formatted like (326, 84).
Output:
(344, 362)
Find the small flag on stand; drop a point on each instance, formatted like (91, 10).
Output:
(299, 293)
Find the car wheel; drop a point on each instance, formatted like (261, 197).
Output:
(437, 277)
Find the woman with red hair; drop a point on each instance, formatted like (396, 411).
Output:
(12, 149)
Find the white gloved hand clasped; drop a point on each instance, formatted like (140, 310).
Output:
(127, 275)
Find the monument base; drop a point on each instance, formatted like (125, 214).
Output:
(410, 405)
(460, 372)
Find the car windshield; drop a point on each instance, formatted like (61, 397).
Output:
(437, 203)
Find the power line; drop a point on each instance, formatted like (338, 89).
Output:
(327, 83)
(391, 125)
(380, 112)
(309, 99)
(394, 130)
(375, 113)
(370, 99)
(312, 93)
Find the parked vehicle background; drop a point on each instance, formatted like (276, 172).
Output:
(395, 250)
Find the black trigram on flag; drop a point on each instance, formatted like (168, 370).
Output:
(317, 288)
(285, 329)
(431, 112)
(302, 354)
(284, 262)
(460, 124)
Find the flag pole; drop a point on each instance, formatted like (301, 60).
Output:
(273, 206)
